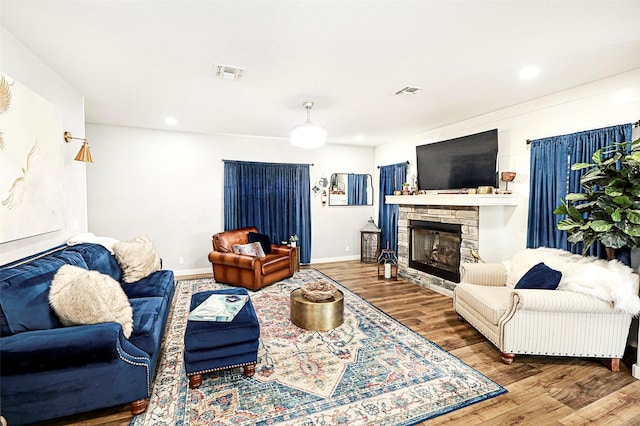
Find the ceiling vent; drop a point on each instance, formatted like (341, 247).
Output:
(226, 72)
(408, 90)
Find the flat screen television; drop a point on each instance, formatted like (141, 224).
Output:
(465, 162)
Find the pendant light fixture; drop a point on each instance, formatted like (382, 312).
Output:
(307, 134)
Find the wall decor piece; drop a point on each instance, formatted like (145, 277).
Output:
(31, 163)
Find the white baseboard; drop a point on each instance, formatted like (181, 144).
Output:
(200, 271)
(187, 272)
(335, 259)
(635, 370)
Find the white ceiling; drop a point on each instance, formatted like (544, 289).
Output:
(137, 62)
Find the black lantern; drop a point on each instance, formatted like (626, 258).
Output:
(387, 265)
(369, 242)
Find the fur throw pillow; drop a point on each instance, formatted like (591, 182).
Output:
(252, 249)
(610, 281)
(78, 297)
(138, 258)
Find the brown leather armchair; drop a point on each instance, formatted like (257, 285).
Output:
(248, 271)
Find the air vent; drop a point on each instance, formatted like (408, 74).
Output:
(408, 90)
(226, 72)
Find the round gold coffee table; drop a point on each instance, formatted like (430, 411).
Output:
(317, 316)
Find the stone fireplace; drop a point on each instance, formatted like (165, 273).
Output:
(453, 213)
(433, 241)
(434, 248)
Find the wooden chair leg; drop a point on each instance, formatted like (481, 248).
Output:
(507, 358)
(613, 364)
(195, 381)
(138, 407)
(249, 370)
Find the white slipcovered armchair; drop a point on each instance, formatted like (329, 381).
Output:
(573, 320)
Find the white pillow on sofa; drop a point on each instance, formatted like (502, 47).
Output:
(138, 258)
(79, 297)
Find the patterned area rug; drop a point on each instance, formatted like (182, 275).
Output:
(372, 370)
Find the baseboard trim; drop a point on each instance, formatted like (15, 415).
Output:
(181, 273)
(335, 259)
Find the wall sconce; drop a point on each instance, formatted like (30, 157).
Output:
(84, 154)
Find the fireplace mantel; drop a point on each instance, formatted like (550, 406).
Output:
(454, 200)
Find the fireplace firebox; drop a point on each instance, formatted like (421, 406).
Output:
(434, 248)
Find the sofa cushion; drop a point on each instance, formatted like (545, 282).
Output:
(490, 302)
(251, 249)
(263, 239)
(24, 288)
(98, 258)
(138, 258)
(158, 284)
(540, 277)
(80, 297)
(147, 322)
(224, 241)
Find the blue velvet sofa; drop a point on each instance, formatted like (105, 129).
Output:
(48, 370)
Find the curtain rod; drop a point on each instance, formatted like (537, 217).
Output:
(636, 124)
(397, 163)
(267, 162)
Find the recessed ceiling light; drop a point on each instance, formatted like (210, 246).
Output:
(529, 72)
(359, 138)
(171, 121)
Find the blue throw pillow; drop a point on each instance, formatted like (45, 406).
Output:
(540, 277)
(263, 239)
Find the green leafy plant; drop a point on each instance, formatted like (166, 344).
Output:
(609, 208)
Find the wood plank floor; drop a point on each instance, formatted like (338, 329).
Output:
(542, 390)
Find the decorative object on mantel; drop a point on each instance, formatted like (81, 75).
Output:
(387, 264)
(369, 242)
(507, 177)
(307, 134)
(485, 190)
(317, 291)
(84, 154)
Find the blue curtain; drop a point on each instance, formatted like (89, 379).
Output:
(391, 179)
(357, 189)
(273, 197)
(552, 177)
(547, 185)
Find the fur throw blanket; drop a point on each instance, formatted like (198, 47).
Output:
(610, 281)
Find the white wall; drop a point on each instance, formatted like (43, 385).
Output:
(607, 102)
(169, 185)
(19, 63)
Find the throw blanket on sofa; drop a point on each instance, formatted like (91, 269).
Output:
(610, 281)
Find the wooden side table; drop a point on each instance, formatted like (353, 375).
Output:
(296, 259)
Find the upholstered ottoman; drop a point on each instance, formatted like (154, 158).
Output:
(213, 345)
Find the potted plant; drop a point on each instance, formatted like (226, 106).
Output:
(609, 208)
(293, 240)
